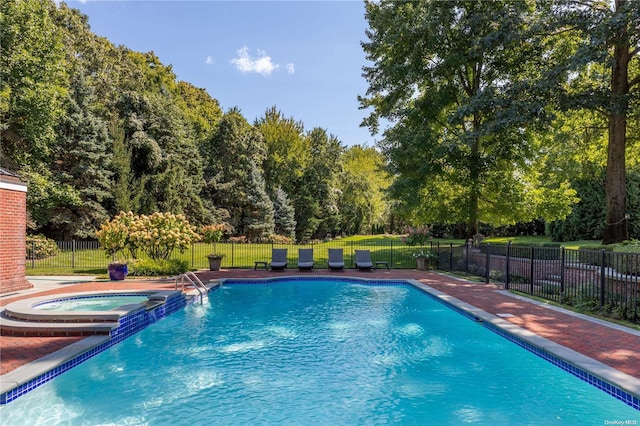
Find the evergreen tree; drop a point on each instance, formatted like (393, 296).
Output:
(258, 212)
(284, 214)
(235, 177)
(80, 160)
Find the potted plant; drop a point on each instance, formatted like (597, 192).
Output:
(425, 259)
(113, 237)
(117, 271)
(211, 234)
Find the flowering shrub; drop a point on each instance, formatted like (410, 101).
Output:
(276, 239)
(159, 234)
(212, 233)
(241, 239)
(418, 236)
(40, 247)
(113, 235)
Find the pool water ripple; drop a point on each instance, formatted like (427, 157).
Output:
(316, 353)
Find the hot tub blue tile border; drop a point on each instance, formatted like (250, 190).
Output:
(128, 326)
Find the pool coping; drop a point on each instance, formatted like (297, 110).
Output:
(41, 366)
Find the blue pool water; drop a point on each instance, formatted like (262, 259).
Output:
(92, 303)
(316, 353)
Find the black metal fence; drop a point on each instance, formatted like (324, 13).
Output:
(591, 280)
(87, 255)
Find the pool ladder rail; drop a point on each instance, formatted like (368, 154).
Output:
(189, 279)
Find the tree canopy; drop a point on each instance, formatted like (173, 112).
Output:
(500, 112)
(471, 90)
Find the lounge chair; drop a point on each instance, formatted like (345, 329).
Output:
(336, 259)
(305, 259)
(363, 260)
(278, 259)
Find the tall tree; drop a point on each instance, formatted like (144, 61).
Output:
(283, 214)
(316, 203)
(126, 192)
(287, 150)
(453, 79)
(363, 186)
(608, 41)
(258, 212)
(237, 152)
(80, 160)
(33, 81)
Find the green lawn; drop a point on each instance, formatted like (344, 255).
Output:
(535, 240)
(388, 248)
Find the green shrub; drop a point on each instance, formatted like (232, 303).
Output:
(156, 268)
(40, 247)
(418, 236)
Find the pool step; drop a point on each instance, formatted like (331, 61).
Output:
(25, 328)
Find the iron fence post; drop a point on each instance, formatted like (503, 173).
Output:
(466, 261)
(73, 254)
(487, 263)
(507, 270)
(391, 254)
(602, 278)
(532, 270)
(562, 264)
(33, 254)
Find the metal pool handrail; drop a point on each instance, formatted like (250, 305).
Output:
(197, 284)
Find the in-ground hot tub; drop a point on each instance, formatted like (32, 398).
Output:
(98, 312)
(93, 302)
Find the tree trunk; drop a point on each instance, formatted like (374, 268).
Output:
(615, 230)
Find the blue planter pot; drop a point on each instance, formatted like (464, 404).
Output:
(117, 271)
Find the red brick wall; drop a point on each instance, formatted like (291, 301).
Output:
(13, 223)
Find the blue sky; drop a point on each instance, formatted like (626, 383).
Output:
(304, 57)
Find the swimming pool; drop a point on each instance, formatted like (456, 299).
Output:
(316, 352)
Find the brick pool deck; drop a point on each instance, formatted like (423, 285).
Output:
(613, 345)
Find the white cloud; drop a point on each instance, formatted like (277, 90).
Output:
(291, 69)
(209, 60)
(260, 65)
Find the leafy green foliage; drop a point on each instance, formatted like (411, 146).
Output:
(463, 115)
(157, 267)
(363, 186)
(418, 236)
(32, 81)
